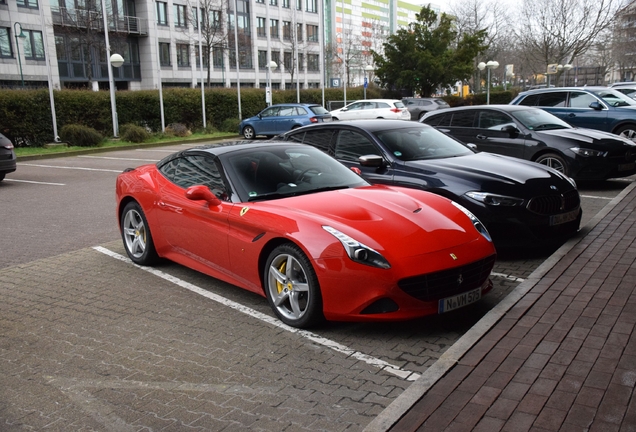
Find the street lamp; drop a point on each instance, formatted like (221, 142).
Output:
(114, 60)
(565, 68)
(17, 45)
(367, 69)
(490, 65)
(268, 91)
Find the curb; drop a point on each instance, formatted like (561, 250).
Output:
(401, 405)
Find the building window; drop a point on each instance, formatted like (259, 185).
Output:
(286, 4)
(33, 45)
(180, 16)
(164, 53)
(287, 59)
(287, 30)
(205, 55)
(195, 17)
(273, 2)
(276, 58)
(313, 62)
(162, 13)
(312, 6)
(312, 33)
(214, 19)
(217, 57)
(183, 55)
(299, 4)
(301, 62)
(260, 27)
(273, 28)
(262, 59)
(5, 42)
(299, 32)
(33, 4)
(260, 1)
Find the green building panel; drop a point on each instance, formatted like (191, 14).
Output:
(409, 6)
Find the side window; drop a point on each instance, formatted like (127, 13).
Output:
(196, 170)
(286, 112)
(493, 120)
(296, 137)
(463, 119)
(300, 111)
(581, 99)
(319, 139)
(553, 99)
(270, 112)
(425, 102)
(351, 145)
(369, 105)
(356, 106)
(383, 105)
(438, 120)
(531, 100)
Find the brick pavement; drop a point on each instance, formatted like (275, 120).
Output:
(558, 355)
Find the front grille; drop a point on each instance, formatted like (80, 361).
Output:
(435, 286)
(547, 205)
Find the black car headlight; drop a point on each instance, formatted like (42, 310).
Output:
(585, 152)
(357, 251)
(494, 199)
(476, 222)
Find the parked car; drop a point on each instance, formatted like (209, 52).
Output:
(372, 109)
(280, 118)
(521, 203)
(602, 108)
(420, 106)
(628, 89)
(7, 157)
(290, 223)
(536, 135)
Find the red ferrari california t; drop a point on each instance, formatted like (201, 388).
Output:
(292, 224)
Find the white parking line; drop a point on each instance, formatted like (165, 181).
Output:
(372, 361)
(512, 278)
(71, 168)
(116, 158)
(597, 197)
(34, 182)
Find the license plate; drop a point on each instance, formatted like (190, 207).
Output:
(626, 167)
(326, 119)
(460, 300)
(564, 218)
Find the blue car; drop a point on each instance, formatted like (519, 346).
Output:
(278, 119)
(600, 108)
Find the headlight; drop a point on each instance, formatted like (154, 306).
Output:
(476, 222)
(357, 251)
(588, 152)
(494, 199)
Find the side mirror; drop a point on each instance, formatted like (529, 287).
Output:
(596, 106)
(344, 109)
(511, 130)
(472, 146)
(371, 161)
(357, 170)
(202, 193)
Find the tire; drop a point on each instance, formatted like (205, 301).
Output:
(334, 118)
(248, 132)
(136, 235)
(291, 287)
(420, 115)
(555, 161)
(628, 131)
(2, 176)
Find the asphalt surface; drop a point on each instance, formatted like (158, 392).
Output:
(89, 341)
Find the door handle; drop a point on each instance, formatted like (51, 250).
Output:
(571, 115)
(481, 137)
(165, 206)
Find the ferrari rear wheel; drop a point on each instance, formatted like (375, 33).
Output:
(136, 235)
(292, 287)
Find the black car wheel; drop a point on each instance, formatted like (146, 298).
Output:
(248, 132)
(420, 115)
(555, 161)
(1, 176)
(136, 235)
(627, 131)
(292, 287)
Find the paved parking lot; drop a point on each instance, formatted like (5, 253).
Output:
(89, 341)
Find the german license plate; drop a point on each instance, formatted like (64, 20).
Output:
(326, 119)
(564, 218)
(626, 167)
(460, 300)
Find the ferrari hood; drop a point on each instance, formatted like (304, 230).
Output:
(412, 222)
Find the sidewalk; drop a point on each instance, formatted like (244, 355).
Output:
(558, 354)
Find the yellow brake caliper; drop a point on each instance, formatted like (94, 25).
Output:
(281, 268)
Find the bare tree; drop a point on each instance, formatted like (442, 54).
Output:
(622, 44)
(558, 31)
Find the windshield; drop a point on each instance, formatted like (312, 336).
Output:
(284, 171)
(615, 98)
(318, 110)
(419, 143)
(537, 119)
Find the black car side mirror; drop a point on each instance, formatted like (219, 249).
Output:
(511, 130)
(371, 161)
(596, 106)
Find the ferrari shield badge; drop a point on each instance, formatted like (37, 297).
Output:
(244, 210)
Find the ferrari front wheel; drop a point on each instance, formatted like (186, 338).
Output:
(136, 235)
(292, 287)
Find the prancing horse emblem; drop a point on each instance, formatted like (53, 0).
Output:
(460, 279)
(453, 256)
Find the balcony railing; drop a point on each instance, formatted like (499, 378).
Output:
(82, 18)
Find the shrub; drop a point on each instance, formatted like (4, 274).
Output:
(82, 136)
(133, 133)
(230, 125)
(177, 129)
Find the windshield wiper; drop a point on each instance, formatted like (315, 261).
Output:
(277, 195)
(549, 126)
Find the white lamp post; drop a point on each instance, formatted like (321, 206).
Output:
(367, 69)
(268, 91)
(114, 60)
(490, 65)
